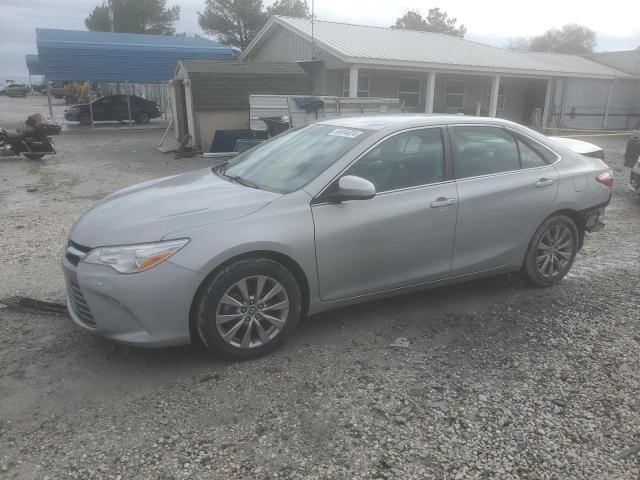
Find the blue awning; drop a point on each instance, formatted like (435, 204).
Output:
(68, 55)
(33, 65)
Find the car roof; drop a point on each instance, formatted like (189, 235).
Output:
(380, 122)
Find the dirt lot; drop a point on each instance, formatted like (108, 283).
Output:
(499, 380)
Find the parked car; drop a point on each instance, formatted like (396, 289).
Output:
(113, 108)
(16, 90)
(337, 212)
(632, 160)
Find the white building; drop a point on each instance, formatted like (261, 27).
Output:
(434, 72)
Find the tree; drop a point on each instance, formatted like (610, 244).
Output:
(289, 8)
(571, 38)
(134, 16)
(236, 22)
(518, 44)
(436, 21)
(411, 20)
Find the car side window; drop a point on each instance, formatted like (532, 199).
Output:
(405, 160)
(483, 151)
(528, 157)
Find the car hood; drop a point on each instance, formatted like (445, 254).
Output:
(148, 211)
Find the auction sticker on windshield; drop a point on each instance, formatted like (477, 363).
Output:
(344, 132)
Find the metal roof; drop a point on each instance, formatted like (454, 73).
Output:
(33, 65)
(233, 67)
(227, 85)
(367, 46)
(119, 57)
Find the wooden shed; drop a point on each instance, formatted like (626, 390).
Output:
(214, 95)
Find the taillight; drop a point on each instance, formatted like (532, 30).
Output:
(606, 178)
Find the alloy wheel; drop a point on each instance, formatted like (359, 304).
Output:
(252, 312)
(554, 251)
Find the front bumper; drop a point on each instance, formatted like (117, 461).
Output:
(149, 309)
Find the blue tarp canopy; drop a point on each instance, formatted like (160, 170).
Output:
(33, 65)
(72, 55)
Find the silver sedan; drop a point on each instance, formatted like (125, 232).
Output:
(334, 213)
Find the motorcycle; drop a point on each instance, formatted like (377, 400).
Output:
(33, 141)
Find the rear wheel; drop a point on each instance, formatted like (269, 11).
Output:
(34, 156)
(248, 308)
(551, 252)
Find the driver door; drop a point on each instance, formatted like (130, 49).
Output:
(402, 236)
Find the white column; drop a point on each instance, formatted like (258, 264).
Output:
(495, 88)
(430, 92)
(353, 81)
(607, 105)
(547, 105)
(173, 99)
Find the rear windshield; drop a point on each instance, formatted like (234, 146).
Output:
(294, 158)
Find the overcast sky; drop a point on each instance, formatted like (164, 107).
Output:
(490, 21)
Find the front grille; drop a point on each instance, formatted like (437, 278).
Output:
(79, 304)
(76, 252)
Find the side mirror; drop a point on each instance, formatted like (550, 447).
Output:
(351, 187)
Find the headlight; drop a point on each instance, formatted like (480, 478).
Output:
(134, 258)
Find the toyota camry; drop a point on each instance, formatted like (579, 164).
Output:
(337, 212)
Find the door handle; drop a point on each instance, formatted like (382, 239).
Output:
(442, 202)
(544, 182)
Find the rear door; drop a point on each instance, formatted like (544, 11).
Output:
(111, 107)
(505, 189)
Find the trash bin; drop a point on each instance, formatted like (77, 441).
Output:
(632, 154)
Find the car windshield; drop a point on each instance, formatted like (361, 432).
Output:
(294, 158)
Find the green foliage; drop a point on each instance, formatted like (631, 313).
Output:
(135, 16)
(436, 21)
(572, 38)
(236, 22)
(289, 8)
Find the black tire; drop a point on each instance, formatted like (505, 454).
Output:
(142, 117)
(34, 156)
(209, 301)
(85, 119)
(536, 269)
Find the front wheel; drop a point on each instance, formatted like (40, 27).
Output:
(248, 308)
(551, 252)
(34, 156)
(142, 117)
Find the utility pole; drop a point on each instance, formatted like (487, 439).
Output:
(110, 15)
(313, 38)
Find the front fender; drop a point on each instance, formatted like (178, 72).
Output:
(285, 227)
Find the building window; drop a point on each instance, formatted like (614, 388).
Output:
(409, 92)
(502, 91)
(454, 92)
(363, 85)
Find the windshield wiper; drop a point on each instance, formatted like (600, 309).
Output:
(240, 180)
(244, 181)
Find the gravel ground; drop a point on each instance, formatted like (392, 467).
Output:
(498, 381)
